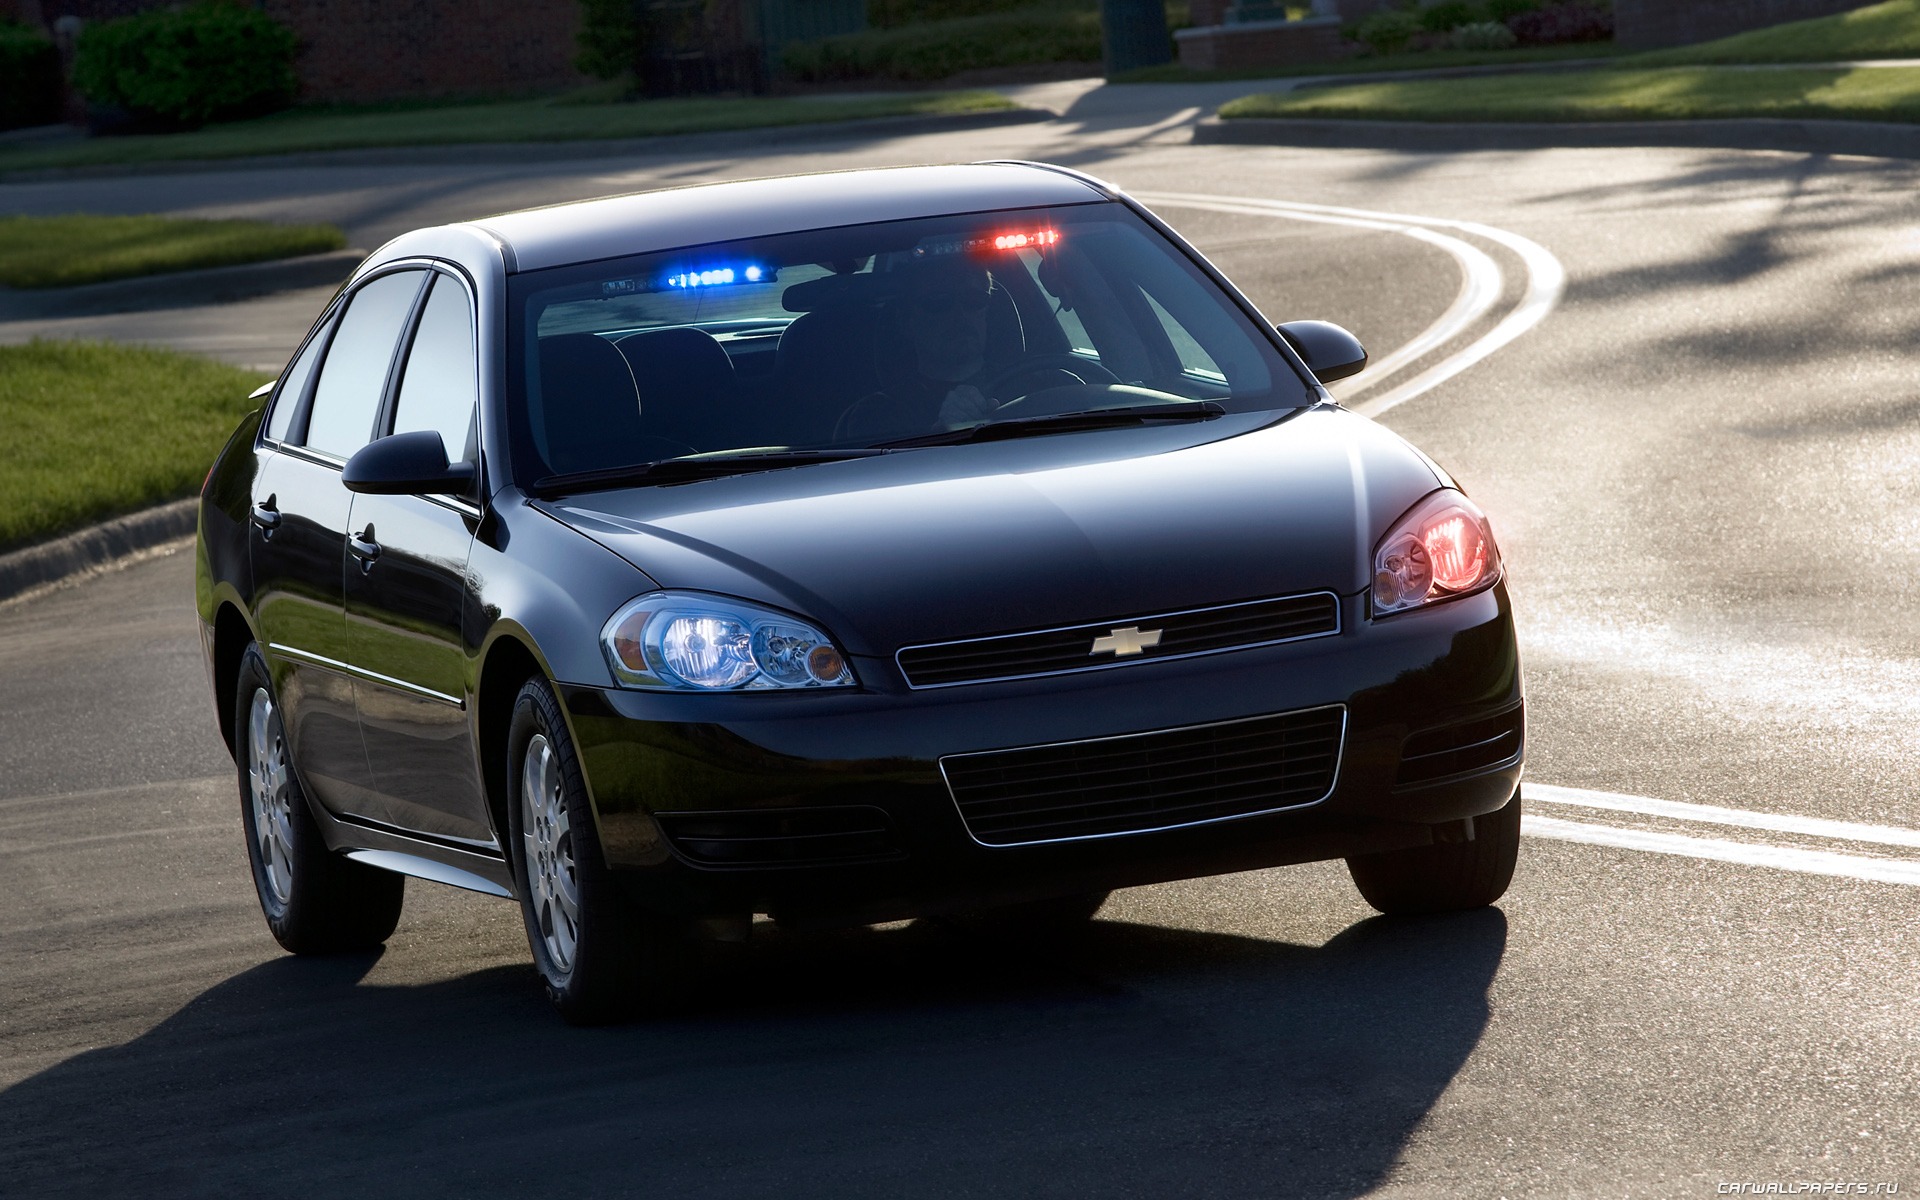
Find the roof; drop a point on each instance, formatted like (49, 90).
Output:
(691, 216)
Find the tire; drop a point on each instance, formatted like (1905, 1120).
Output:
(315, 901)
(1448, 876)
(1035, 922)
(600, 958)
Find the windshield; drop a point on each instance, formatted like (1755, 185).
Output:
(808, 346)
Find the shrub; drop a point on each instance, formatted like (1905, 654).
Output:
(1389, 30)
(213, 60)
(892, 14)
(1504, 11)
(1483, 35)
(1574, 21)
(609, 38)
(1448, 15)
(937, 49)
(29, 77)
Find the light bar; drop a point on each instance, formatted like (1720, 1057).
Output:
(716, 276)
(1020, 241)
(1030, 239)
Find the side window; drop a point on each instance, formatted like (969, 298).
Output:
(438, 390)
(293, 385)
(355, 373)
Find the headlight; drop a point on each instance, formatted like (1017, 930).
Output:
(697, 642)
(1442, 548)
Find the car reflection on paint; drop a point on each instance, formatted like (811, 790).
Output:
(855, 546)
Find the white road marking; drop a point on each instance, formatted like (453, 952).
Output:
(1781, 858)
(1546, 279)
(1480, 277)
(1711, 814)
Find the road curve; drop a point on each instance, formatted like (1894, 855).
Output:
(1702, 467)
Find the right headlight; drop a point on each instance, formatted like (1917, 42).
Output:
(696, 642)
(1442, 548)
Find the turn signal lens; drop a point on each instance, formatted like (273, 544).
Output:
(1442, 548)
(693, 641)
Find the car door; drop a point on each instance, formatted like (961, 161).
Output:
(407, 588)
(298, 540)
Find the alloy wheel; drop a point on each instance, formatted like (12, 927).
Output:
(267, 792)
(547, 847)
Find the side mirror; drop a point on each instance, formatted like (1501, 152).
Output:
(1330, 351)
(406, 464)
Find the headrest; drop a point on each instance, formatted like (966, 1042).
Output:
(675, 357)
(590, 406)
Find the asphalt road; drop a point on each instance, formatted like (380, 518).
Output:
(1704, 466)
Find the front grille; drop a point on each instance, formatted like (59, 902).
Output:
(780, 837)
(1053, 651)
(1146, 781)
(1458, 749)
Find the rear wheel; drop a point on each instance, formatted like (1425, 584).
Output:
(600, 958)
(1448, 876)
(315, 901)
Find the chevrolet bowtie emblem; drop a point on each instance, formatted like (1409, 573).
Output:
(1122, 642)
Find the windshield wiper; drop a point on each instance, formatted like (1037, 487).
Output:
(1093, 418)
(679, 470)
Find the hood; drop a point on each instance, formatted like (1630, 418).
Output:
(964, 541)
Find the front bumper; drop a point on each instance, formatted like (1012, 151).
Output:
(763, 758)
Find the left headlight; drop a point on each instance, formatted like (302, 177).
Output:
(696, 642)
(1442, 548)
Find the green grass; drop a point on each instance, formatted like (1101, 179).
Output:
(938, 49)
(1676, 93)
(1425, 60)
(94, 430)
(1889, 30)
(555, 119)
(43, 252)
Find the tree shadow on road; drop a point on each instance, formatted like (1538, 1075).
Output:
(896, 1062)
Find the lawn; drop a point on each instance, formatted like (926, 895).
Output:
(1621, 94)
(1424, 60)
(557, 119)
(94, 430)
(43, 252)
(1889, 30)
(937, 49)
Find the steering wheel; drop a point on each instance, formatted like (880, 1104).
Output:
(1067, 364)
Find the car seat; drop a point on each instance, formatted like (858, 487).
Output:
(688, 393)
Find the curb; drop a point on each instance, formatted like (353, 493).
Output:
(180, 289)
(91, 549)
(560, 151)
(1873, 139)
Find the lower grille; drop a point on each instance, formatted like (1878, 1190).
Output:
(1458, 749)
(1147, 781)
(780, 837)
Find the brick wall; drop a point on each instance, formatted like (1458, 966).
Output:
(1207, 12)
(384, 49)
(1259, 44)
(1645, 24)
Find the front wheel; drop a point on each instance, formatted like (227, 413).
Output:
(315, 901)
(1444, 877)
(600, 958)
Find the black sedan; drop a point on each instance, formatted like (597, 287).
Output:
(846, 547)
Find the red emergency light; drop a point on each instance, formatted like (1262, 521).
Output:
(1021, 241)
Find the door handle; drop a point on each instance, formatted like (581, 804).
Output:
(266, 516)
(362, 546)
